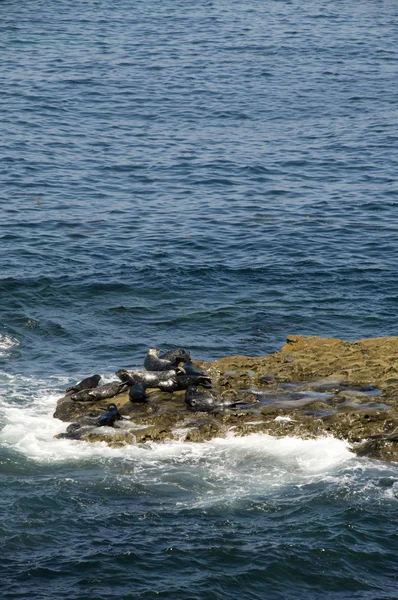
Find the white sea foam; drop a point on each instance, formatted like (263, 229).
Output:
(29, 427)
(216, 472)
(7, 343)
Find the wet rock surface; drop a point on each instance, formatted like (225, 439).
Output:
(313, 386)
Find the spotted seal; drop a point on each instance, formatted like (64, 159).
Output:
(85, 384)
(100, 393)
(167, 381)
(205, 401)
(153, 362)
(149, 379)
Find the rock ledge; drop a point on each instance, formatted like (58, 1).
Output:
(313, 386)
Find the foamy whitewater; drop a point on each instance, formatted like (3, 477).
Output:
(232, 469)
(7, 344)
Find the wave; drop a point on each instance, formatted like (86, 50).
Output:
(222, 471)
(29, 428)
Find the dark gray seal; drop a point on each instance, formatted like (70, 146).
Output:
(205, 401)
(100, 393)
(152, 361)
(183, 381)
(85, 384)
(189, 368)
(179, 353)
(137, 393)
(108, 418)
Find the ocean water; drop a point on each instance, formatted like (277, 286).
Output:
(214, 175)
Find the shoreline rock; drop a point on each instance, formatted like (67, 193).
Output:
(313, 386)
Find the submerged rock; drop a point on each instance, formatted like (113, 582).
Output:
(313, 386)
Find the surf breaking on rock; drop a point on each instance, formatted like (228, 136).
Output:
(313, 386)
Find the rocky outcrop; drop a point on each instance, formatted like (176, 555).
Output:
(313, 386)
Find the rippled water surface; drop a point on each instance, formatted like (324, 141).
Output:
(214, 175)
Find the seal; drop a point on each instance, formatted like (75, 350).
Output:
(167, 381)
(85, 384)
(189, 368)
(205, 401)
(137, 393)
(100, 393)
(184, 381)
(171, 355)
(152, 361)
(149, 379)
(74, 430)
(108, 418)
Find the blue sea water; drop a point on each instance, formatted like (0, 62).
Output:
(214, 175)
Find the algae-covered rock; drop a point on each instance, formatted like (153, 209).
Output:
(312, 386)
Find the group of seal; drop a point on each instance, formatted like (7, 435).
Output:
(169, 372)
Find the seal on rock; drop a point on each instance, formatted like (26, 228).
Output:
(108, 418)
(171, 355)
(149, 379)
(100, 393)
(189, 368)
(182, 381)
(137, 393)
(205, 401)
(166, 381)
(152, 361)
(85, 384)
